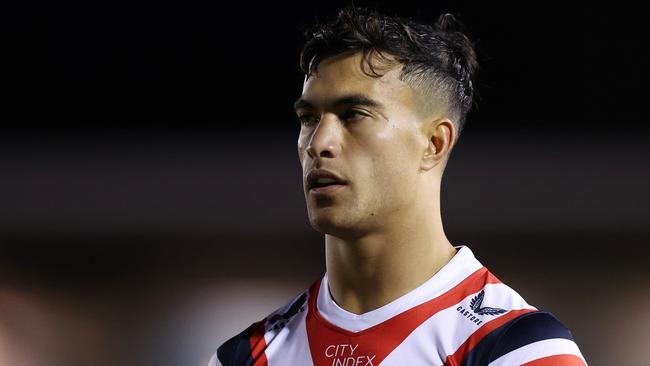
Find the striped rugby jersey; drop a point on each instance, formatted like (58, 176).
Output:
(463, 315)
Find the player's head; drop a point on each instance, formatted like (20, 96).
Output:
(383, 102)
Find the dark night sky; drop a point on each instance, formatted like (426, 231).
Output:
(212, 67)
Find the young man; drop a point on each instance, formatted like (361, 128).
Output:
(383, 102)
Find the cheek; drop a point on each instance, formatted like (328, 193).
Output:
(303, 139)
(383, 167)
(394, 164)
(394, 149)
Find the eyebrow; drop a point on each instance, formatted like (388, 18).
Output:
(353, 99)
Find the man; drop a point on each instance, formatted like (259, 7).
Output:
(383, 102)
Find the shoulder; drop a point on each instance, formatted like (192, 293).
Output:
(238, 350)
(249, 345)
(512, 332)
(536, 338)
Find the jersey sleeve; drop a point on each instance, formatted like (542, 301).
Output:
(248, 347)
(535, 339)
(244, 348)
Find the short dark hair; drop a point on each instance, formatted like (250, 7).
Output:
(439, 60)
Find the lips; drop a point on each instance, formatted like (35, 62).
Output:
(325, 189)
(321, 179)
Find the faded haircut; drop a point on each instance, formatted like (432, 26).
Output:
(438, 61)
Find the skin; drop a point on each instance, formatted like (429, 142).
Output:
(383, 230)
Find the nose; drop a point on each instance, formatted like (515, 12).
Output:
(325, 141)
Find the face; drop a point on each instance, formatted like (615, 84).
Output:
(366, 131)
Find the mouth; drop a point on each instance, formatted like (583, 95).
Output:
(321, 181)
(326, 188)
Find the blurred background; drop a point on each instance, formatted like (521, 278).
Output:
(151, 202)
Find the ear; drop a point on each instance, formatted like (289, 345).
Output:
(440, 134)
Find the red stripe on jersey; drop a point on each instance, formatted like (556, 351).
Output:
(557, 360)
(331, 345)
(457, 357)
(258, 344)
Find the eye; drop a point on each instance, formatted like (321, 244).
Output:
(353, 115)
(308, 119)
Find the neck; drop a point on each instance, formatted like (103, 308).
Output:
(369, 272)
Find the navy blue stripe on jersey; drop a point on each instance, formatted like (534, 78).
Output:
(530, 328)
(525, 329)
(237, 350)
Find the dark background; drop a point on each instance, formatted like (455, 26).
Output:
(150, 196)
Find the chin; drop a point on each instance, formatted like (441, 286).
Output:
(334, 226)
(324, 220)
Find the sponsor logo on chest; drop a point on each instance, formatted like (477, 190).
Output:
(346, 355)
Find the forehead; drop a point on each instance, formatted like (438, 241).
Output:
(349, 74)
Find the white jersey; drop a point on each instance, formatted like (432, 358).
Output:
(463, 315)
